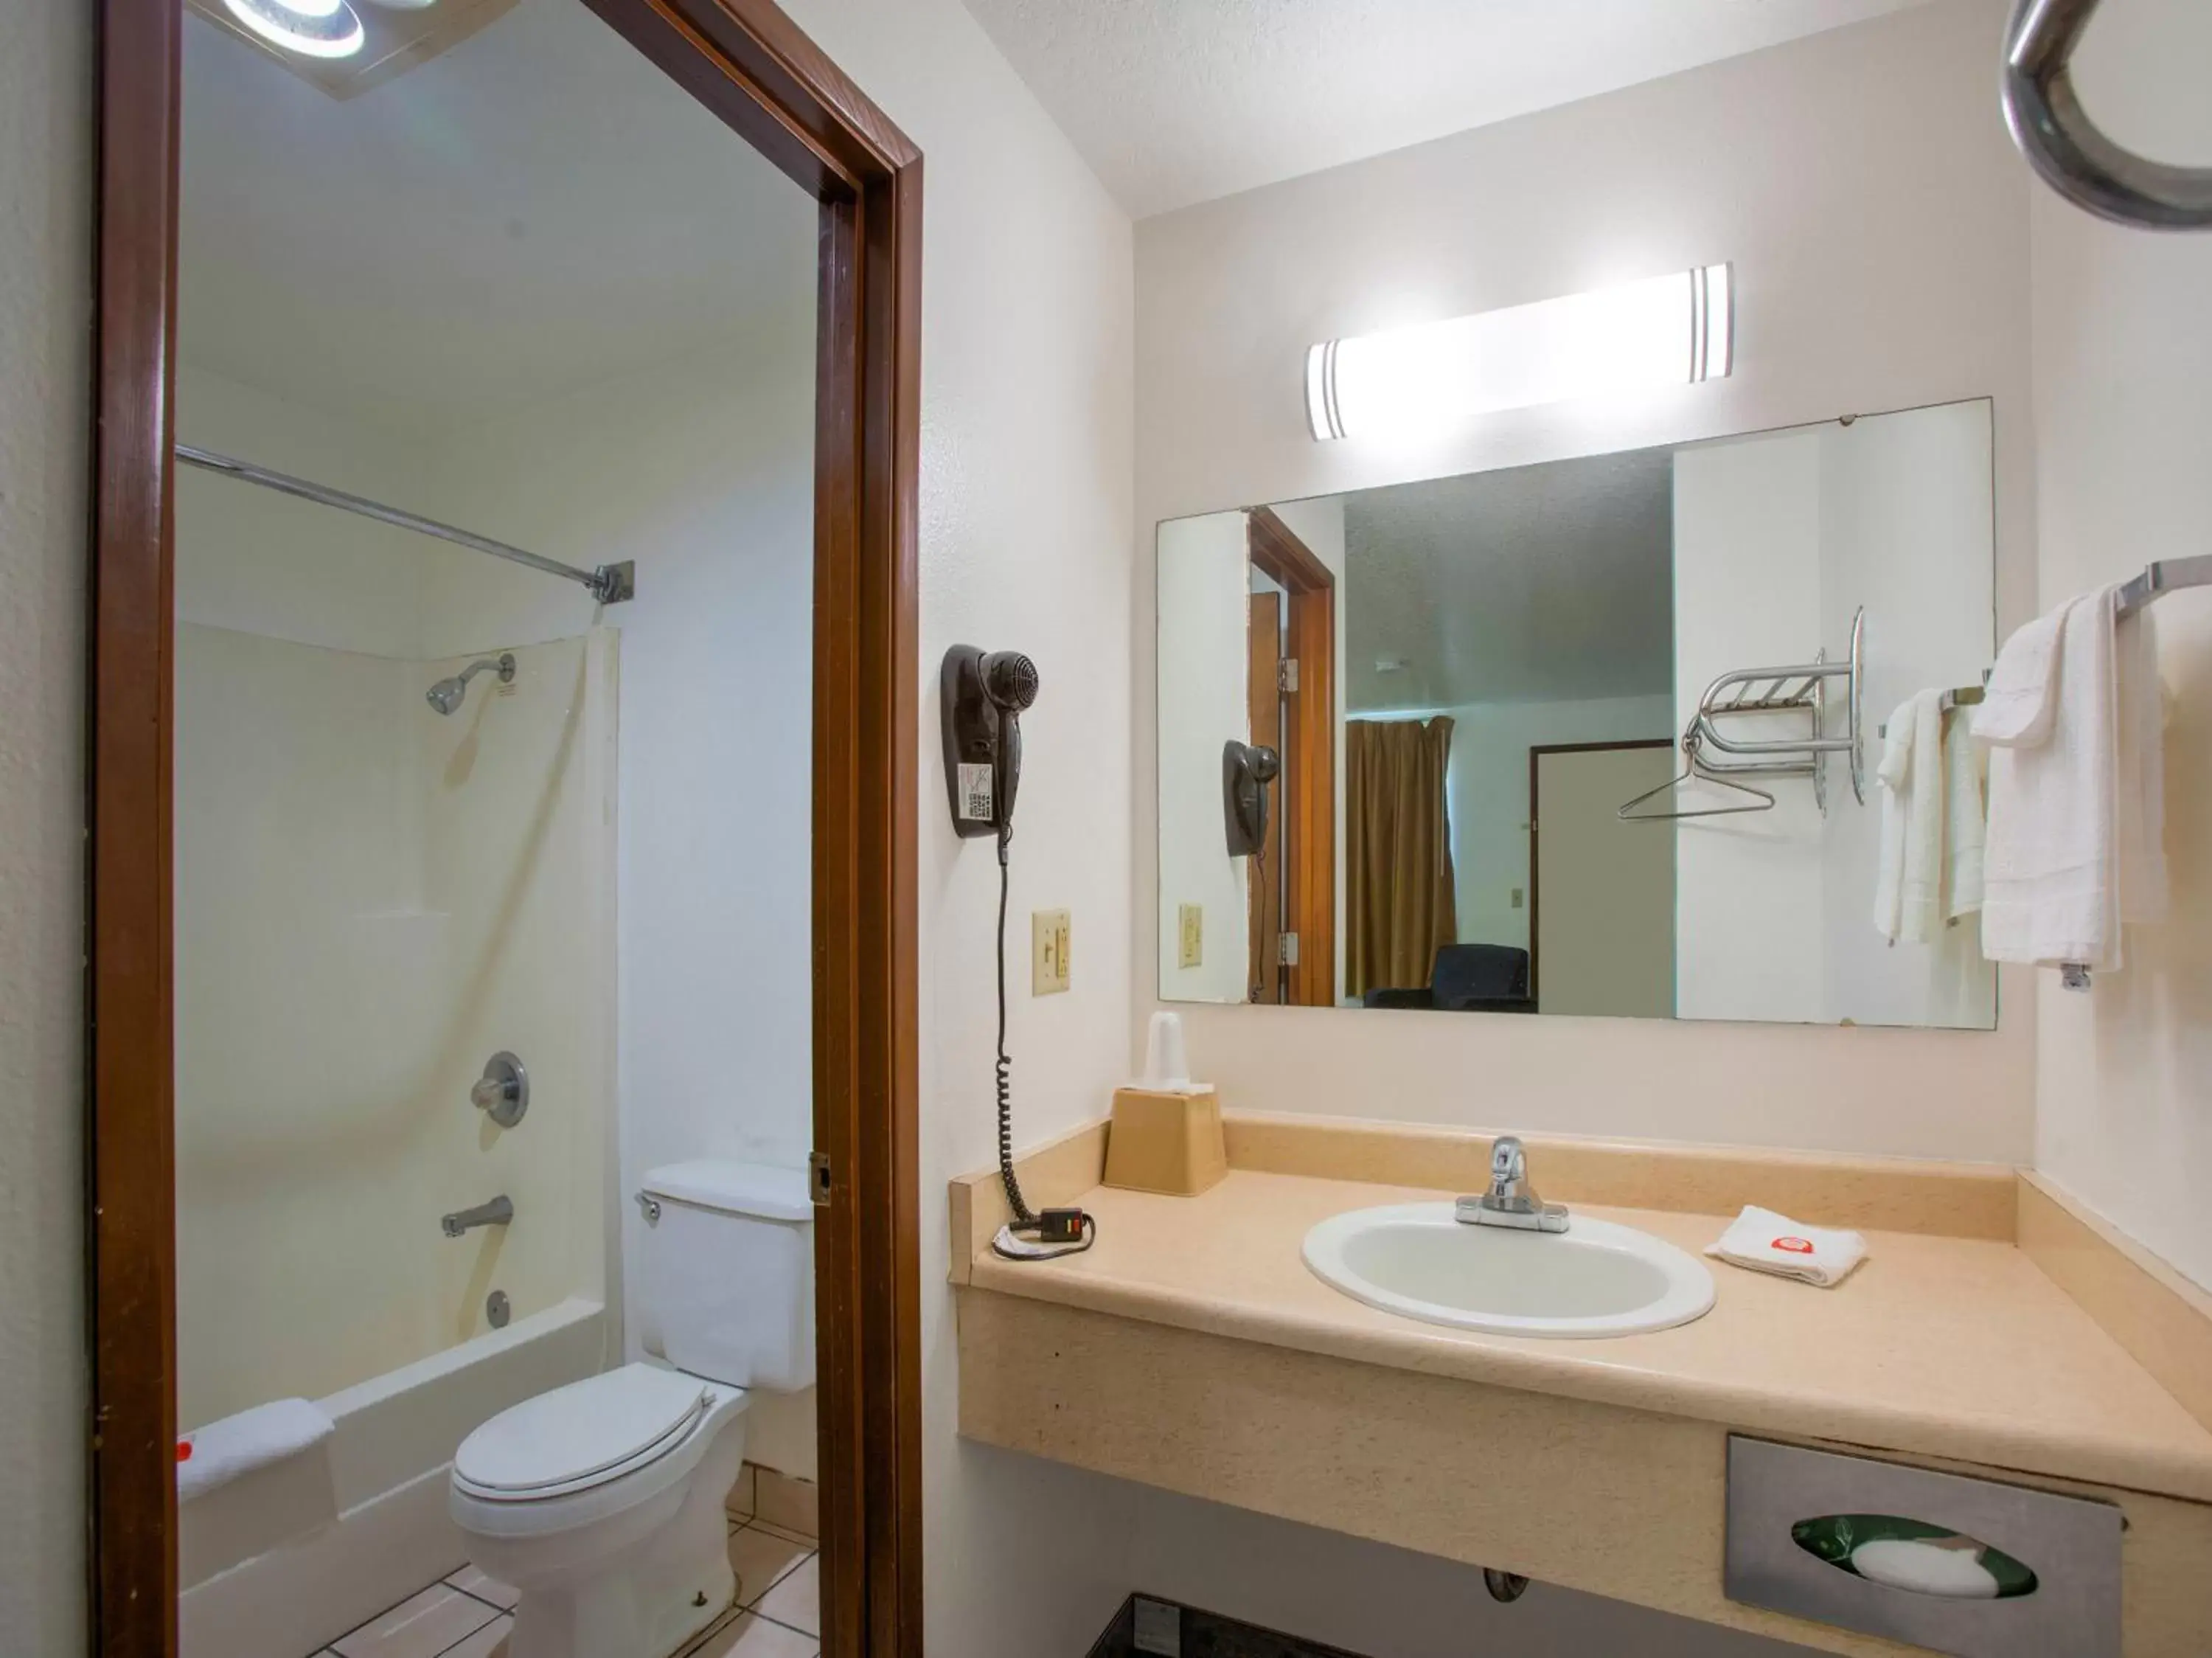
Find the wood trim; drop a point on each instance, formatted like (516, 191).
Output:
(750, 64)
(1263, 876)
(130, 1125)
(1536, 752)
(1310, 765)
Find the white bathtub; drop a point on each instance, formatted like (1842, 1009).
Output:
(382, 1530)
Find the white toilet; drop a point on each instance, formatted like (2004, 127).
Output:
(601, 1501)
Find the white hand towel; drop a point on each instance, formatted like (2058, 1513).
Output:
(1908, 900)
(1896, 767)
(1767, 1242)
(224, 1451)
(2073, 844)
(1964, 818)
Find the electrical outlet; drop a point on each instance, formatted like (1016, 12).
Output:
(1190, 922)
(1048, 931)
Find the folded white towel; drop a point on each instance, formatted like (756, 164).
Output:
(1894, 768)
(1964, 818)
(1767, 1242)
(2017, 706)
(2075, 788)
(222, 1451)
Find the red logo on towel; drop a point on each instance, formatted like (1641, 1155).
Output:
(1795, 1245)
(184, 1450)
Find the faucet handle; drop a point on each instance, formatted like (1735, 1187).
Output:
(1509, 1164)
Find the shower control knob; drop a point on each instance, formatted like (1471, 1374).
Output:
(503, 1090)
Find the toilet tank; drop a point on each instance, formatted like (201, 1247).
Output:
(727, 1272)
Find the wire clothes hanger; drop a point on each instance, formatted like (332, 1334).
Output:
(1800, 689)
(1696, 768)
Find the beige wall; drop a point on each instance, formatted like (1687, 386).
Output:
(2123, 427)
(1881, 264)
(45, 245)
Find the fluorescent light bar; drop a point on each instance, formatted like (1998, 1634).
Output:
(1669, 331)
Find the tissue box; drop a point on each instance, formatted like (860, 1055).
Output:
(1166, 1142)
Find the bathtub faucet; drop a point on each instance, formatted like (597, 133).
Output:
(498, 1212)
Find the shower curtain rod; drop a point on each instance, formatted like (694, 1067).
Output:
(610, 584)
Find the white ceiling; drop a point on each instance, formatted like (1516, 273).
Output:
(1545, 583)
(1176, 101)
(537, 210)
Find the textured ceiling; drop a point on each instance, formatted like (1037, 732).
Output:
(538, 210)
(1543, 583)
(1176, 101)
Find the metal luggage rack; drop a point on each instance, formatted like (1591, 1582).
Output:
(1797, 689)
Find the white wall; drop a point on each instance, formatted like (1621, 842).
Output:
(1769, 161)
(1750, 938)
(2123, 425)
(1487, 795)
(45, 246)
(1205, 607)
(1905, 528)
(1026, 530)
(701, 472)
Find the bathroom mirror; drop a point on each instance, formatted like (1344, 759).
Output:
(1602, 736)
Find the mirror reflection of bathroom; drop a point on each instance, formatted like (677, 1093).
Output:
(494, 607)
(1601, 735)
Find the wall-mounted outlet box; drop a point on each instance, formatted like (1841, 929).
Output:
(1191, 922)
(1048, 931)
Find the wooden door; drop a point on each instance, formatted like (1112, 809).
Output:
(1263, 978)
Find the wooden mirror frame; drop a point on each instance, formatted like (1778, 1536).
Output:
(750, 64)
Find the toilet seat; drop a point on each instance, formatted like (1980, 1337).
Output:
(588, 1434)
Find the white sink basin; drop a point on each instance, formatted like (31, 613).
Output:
(1594, 1279)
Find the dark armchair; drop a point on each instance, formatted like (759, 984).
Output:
(1467, 978)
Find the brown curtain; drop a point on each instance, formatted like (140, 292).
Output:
(1400, 903)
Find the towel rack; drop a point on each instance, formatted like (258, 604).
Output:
(2163, 575)
(1965, 696)
(2067, 149)
(1797, 688)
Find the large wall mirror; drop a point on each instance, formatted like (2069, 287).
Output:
(1602, 736)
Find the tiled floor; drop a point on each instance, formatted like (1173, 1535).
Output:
(778, 1615)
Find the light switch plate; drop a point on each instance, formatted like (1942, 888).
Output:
(1048, 931)
(1191, 922)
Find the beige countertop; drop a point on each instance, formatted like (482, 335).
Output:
(1944, 1346)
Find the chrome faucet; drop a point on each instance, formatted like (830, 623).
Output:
(498, 1212)
(1510, 1201)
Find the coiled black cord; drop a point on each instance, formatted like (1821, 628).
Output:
(1014, 1201)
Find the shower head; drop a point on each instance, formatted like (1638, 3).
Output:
(445, 695)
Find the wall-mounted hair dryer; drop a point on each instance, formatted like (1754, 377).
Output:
(981, 700)
(1246, 771)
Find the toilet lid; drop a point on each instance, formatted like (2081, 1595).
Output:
(604, 1425)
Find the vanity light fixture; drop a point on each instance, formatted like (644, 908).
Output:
(1667, 331)
(314, 28)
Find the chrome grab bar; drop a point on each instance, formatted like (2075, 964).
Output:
(2066, 147)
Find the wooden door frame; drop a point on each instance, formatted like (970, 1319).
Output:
(1309, 814)
(751, 66)
(1536, 752)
